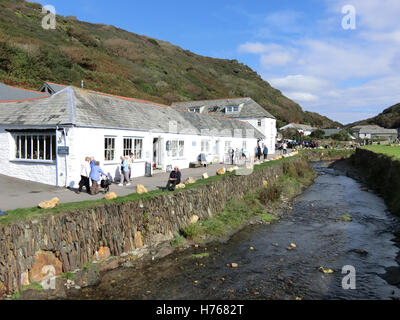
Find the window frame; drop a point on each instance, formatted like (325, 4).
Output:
(41, 139)
(112, 138)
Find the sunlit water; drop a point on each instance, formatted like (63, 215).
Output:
(270, 271)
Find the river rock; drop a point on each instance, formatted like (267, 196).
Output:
(205, 175)
(25, 278)
(221, 171)
(3, 290)
(234, 265)
(326, 271)
(102, 254)
(49, 204)
(190, 180)
(44, 259)
(194, 219)
(292, 245)
(109, 265)
(138, 239)
(110, 196)
(140, 189)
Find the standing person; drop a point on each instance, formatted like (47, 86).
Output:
(174, 179)
(85, 174)
(124, 172)
(265, 152)
(284, 147)
(130, 164)
(92, 162)
(232, 155)
(95, 177)
(259, 152)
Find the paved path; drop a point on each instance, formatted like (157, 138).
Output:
(16, 193)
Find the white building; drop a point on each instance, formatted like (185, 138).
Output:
(375, 132)
(45, 140)
(304, 129)
(245, 109)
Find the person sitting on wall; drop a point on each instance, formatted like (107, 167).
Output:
(95, 177)
(174, 179)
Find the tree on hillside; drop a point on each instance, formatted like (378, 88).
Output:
(291, 134)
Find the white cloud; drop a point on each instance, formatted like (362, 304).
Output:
(275, 59)
(301, 96)
(258, 47)
(300, 82)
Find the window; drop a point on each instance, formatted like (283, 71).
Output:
(259, 123)
(109, 149)
(127, 146)
(40, 147)
(181, 148)
(227, 146)
(176, 148)
(205, 146)
(138, 150)
(195, 109)
(232, 109)
(244, 145)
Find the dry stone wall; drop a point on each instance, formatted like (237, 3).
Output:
(73, 238)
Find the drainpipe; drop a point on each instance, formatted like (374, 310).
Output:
(56, 157)
(66, 160)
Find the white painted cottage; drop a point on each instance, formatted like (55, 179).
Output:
(245, 109)
(45, 140)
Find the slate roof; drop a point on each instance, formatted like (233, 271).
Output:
(331, 132)
(83, 108)
(9, 93)
(304, 127)
(250, 109)
(373, 129)
(51, 88)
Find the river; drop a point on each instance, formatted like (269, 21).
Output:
(270, 270)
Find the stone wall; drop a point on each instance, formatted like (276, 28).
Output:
(73, 238)
(382, 173)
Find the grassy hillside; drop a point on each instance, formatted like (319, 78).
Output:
(116, 61)
(389, 118)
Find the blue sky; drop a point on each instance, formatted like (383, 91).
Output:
(299, 47)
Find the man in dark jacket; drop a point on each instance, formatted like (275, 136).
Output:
(174, 179)
(265, 152)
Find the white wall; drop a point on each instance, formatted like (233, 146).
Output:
(89, 142)
(268, 128)
(31, 171)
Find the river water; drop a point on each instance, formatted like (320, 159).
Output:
(271, 271)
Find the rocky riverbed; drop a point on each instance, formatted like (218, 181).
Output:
(336, 222)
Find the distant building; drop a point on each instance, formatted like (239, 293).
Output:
(304, 129)
(10, 93)
(245, 109)
(51, 88)
(375, 132)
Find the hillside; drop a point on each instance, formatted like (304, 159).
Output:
(389, 118)
(116, 61)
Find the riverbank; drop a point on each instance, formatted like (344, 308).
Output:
(380, 172)
(87, 244)
(259, 262)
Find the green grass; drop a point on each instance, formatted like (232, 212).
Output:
(68, 275)
(268, 217)
(391, 151)
(178, 240)
(35, 212)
